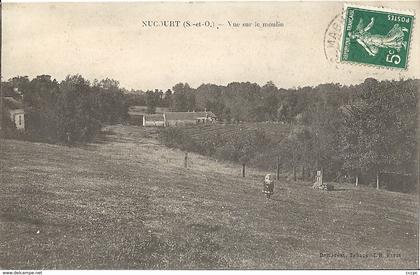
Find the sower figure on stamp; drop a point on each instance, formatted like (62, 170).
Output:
(372, 42)
(268, 185)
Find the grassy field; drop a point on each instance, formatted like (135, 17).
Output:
(126, 202)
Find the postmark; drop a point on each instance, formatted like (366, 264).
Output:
(376, 36)
(332, 39)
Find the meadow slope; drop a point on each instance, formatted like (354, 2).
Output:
(126, 202)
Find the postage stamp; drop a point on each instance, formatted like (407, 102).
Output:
(376, 36)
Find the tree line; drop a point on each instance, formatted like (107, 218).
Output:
(71, 111)
(239, 101)
(364, 132)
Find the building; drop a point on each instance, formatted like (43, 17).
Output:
(14, 109)
(163, 117)
(137, 112)
(156, 120)
(184, 118)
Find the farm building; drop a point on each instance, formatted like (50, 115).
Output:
(183, 118)
(137, 112)
(153, 120)
(138, 116)
(15, 111)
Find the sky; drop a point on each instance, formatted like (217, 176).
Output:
(99, 40)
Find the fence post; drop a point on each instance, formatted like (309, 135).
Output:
(377, 180)
(303, 172)
(68, 137)
(357, 180)
(186, 160)
(243, 170)
(278, 167)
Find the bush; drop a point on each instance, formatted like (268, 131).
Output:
(176, 138)
(397, 182)
(240, 146)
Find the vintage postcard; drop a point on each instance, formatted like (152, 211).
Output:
(209, 135)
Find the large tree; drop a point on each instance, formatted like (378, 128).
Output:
(77, 120)
(379, 131)
(183, 98)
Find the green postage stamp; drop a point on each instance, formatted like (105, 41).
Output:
(375, 36)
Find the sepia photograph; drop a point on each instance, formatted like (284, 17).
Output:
(279, 135)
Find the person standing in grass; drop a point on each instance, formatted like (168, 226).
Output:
(268, 185)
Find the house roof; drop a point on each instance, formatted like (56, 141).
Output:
(161, 110)
(154, 117)
(135, 114)
(12, 104)
(17, 111)
(187, 115)
(138, 107)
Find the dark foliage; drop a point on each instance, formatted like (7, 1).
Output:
(365, 129)
(71, 111)
(239, 146)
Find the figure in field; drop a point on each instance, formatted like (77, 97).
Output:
(268, 185)
(372, 42)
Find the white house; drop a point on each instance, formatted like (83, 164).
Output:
(18, 117)
(153, 120)
(15, 111)
(137, 112)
